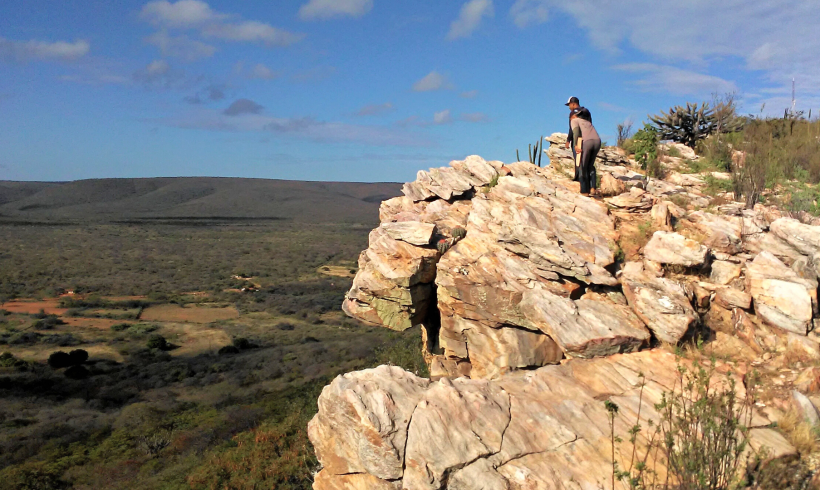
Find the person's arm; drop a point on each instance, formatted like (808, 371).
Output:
(569, 134)
(576, 133)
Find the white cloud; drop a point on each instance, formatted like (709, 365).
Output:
(180, 46)
(661, 78)
(469, 18)
(326, 9)
(527, 12)
(442, 117)
(263, 72)
(252, 31)
(42, 50)
(432, 81)
(781, 41)
(195, 14)
(375, 109)
(469, 94)
(184, 13)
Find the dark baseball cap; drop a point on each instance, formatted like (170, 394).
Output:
(573, 99)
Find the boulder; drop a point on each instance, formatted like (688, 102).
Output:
(610, 186)
(661, 303)
(671, 248)
(805, 409)
(732, 298)
(724, 272)
(781, 297)
(529, 429)
(412, 232)
(804, 238)
(661, 217)
(362, 422)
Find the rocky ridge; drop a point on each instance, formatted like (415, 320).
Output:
(536, 303)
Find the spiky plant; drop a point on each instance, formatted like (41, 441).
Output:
(692, 123)
(459, 233)
(443, 246)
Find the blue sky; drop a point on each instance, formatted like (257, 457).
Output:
(366, 90)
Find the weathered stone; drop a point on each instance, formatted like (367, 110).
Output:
(477, 414)
(324, 480)
(660, 303)
(803, 347)
(412, 232)
(724, 272)
(610, 186)
(808, 381)
(533, 429)
(671, 248)
(661, 217)
(362, 422)
(804, 238)
(781, 297)
(805, 409)
(733, 298)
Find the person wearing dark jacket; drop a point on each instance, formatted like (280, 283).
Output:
(589, 148)
(582, 112)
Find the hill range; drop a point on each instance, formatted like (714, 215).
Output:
(192, 198)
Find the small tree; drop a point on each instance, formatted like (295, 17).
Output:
(645, 145)
(624, 130)
(158, 342)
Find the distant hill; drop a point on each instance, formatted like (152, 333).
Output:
(196, 198)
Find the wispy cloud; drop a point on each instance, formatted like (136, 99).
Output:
(328, 9)
(211, 93)
(662, 78)
(612, 107)
(375, 109)
(263, 72)
(469, 18)
(469, 94)
(159, 74)
(195, 14)
(21, 51)
(474, 117)
(442, 117)
(528, 12)
(304, 127)
(432, 81)
(181, 47)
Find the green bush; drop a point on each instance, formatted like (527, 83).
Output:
(158, 342)
(644, 145)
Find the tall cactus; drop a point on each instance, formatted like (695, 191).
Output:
(533, 153)
(692, 123)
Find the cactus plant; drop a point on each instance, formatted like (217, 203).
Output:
(533, 153)
(695, 122)
(443, 246)
(459, 233)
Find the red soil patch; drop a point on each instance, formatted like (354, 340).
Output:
(189, 314)
(123, 298)
(50, 306)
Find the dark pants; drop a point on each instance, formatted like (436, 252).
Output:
(586, 171)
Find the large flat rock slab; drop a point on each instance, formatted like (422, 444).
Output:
(532, 429)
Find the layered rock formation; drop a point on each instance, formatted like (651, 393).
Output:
(536, 304)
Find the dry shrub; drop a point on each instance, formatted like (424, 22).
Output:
(798, 432)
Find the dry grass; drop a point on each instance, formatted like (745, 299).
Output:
(50, 306)
(798, 432)
(337, 270)
(188, 314)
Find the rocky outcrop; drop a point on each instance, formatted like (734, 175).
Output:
(537, 304)
(383, 428)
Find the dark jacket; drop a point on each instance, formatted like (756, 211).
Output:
(583, 113)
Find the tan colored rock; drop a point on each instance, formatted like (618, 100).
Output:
(804, 238)
(661, 304)
(355, 481)
(412, 232)
(610, 186)
(808, 381)
(804, 347)
(671, 248)
(362, 422)
(661, 217)
(733, 298)
(476, 412)
(781, 297)
(805, 409)
(534, 429)
(724, 272)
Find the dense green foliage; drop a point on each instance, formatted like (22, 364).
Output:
(644, 144)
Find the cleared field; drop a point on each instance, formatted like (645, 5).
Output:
(98, 323)
(188, 314)
(29, 307)
(337, 270)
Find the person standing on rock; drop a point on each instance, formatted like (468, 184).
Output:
(575, 105)
(590, 144)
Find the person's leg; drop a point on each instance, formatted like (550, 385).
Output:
(591, 174)
(583, 168)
